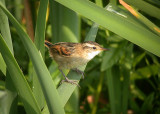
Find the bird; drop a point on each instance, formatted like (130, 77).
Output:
(69, 55)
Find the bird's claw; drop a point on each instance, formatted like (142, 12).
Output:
(70, 81)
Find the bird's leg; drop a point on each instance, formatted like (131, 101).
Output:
(79, 72)
(68, 80)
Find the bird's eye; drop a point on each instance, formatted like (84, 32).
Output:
(94, 48)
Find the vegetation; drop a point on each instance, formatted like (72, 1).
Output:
(125, 79)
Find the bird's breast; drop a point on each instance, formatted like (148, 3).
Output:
(69, 62)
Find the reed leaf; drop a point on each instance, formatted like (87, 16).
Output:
(47, 85)
(39, 42)
(20, 82)
(116, 23)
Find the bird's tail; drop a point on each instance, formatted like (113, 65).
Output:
(48, 44)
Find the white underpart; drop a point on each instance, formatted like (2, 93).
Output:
(92, 54)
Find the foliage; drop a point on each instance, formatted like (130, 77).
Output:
(125, 79)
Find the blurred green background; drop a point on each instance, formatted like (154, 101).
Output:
(125, 79)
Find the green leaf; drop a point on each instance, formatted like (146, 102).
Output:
(125, 89)
(39, 42)
(138, 59)
(65, 24)
(147, 105)
(4, 28)
(3, 65)
(72, 105)
(20, 82)
(10, 98)
(145, 72)
(146, 21)
(112, 56)
(145, 7)
(98, 92)
(40, 26)
(114, 88)
(68, 88)
(47, 85)
(134, 105)
(116, 23)
(99, 3)
(92, 33)
(6, 98)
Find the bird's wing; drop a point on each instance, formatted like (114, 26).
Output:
(64, 49)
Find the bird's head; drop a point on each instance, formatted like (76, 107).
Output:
(92, 49)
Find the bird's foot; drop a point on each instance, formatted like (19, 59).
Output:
(70, 81)
(79, 72)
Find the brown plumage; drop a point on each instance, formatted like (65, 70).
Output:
(73, 55)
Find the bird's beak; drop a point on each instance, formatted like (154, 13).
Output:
(104, 49)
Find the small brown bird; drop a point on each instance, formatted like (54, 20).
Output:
(73, 55)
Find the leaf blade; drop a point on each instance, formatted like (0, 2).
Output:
(47, 85)
(119, 25)
(21, 84)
